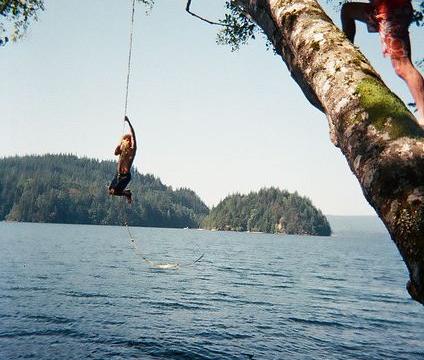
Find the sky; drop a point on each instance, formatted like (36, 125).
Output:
(206, 118)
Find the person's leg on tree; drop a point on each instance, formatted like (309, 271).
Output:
(396, 44)
(406, 70)
(352, 12)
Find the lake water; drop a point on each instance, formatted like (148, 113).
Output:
(82, 292)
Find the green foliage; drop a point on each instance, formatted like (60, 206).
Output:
(239, 28)
(269, 210)
(67, 189)
(15, 17)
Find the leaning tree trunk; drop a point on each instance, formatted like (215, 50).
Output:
(382, 142)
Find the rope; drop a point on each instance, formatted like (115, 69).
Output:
(135, 247)
(129, 59)
(152, 264)
(131, 237)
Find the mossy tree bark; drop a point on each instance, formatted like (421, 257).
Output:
(382, 142)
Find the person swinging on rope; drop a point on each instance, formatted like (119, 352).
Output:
(391, 18)
(126, 151)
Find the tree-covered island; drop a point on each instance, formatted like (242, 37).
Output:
(269, 210)
(68, 189)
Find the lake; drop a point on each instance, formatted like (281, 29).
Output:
(84, 292)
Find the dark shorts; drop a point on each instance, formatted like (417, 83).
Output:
(120, 182)
(393, 31)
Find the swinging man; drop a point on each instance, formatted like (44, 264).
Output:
(391, 18)
(126, 151)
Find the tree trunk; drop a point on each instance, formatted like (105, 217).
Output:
(380, 138)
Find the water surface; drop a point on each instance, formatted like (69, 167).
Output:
(75, 292)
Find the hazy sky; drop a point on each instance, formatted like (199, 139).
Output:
(208, 119)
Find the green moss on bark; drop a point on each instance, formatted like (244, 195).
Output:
(386, 111)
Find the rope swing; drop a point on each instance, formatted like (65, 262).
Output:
(133, 241)
(129, 59)
(159, 265)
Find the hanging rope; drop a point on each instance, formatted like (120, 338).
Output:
(129, 59)
(131, 237)
(153, 264)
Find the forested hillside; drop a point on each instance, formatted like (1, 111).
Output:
(269, 210)
(68, 189)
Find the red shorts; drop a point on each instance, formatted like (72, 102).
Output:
(393, 29)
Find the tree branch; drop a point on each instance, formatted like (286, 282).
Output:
(202, 18)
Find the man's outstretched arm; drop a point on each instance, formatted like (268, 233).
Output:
(134, 141)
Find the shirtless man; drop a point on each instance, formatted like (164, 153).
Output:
(126, 151)
(391, 18)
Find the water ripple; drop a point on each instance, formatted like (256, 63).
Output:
(45, 332)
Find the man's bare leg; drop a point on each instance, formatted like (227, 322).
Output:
(415, 81)
(128, 195)
(351, 12)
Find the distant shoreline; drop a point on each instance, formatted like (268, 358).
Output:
(341, 224)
